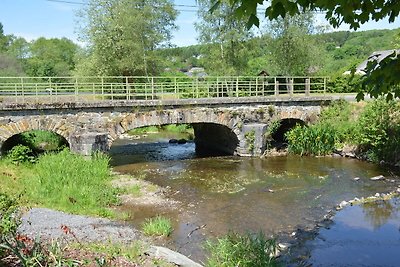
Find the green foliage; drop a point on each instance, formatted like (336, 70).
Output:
(34, 253)
(226, 52)
(379, 131)
(8, 217)
(343, 84)
(114, 48)
(316, 140)
(21, 154)
(235, 250)
(84, 183)
(51, 57)
(294, 51)
(250, 138)
(341, 115)
(351, 13)
(43, 140)
(157, 226)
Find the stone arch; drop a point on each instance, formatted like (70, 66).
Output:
(11, 129)
(203, 120)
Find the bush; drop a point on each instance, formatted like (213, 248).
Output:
(8, 218)
(245, 251)
(21, 154)
(343, 84)
(379, 131)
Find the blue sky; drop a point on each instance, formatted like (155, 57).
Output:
(36, 18)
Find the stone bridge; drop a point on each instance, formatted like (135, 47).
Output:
(233, 126)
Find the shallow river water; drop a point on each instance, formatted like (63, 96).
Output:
(217, 194)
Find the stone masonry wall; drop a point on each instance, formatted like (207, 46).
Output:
(95, 128)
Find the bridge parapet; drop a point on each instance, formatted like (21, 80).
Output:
(74, 89)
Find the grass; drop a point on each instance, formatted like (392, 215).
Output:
(135, 190)
(247, 250)
(175, 128)
(157, 226)
(63, 181)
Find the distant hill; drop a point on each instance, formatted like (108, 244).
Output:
(341, 50)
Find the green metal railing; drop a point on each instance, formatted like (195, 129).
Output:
(43, 89)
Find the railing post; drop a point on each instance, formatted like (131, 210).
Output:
(102, 88)
(36, 93)
(152, 88)
(276, 84)
(16, 92)
(112, 91)
(237, 86)
(291, 86)
(197, 87)
(127, 88)
(256, 86)
(324, 85)
(307, 86)
(176, 88)
(22, 89)
(76, 89)
(217, 87)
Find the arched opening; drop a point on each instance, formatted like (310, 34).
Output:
(173, 142)
(37, 140)
(278, 137)
(213, 139)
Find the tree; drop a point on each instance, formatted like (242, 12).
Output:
(51, 57)
(225, 35)
(294, 52)
(381, 78)
(122, 35)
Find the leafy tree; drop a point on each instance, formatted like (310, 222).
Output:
(381, 78)
(294, 51)
(122, 35)
(226, 35)
(354, 13)
(51, 57)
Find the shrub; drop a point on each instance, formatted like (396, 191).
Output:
(21, 154)
(379, 131)
(8, 218)
(343, 84)
(158, 226)
(242, 250)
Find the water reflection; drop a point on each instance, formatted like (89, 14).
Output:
(366, 235)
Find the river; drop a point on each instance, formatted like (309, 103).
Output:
(276, 195)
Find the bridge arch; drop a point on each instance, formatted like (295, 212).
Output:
(215, 132)
(11, 130)
(285, 125)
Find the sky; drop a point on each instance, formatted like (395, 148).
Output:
(32, 19)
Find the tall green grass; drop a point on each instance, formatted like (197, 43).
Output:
(72, 183)
(157, 226)
(247, 250)
(63, 181)
(315, 140)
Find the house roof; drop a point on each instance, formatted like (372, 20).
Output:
(378, 56)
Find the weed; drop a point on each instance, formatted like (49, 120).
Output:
(242, 250)
(250, 138)
(135, 190)
(158, 226)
